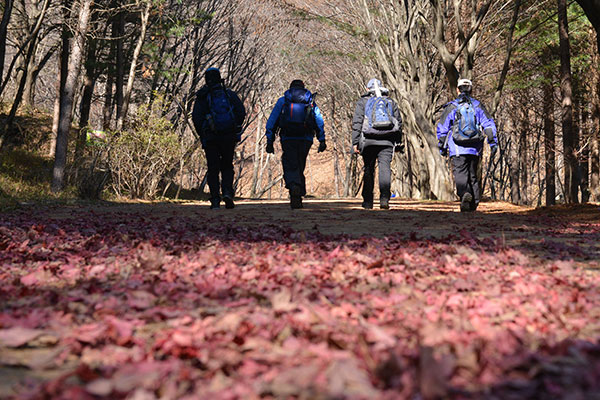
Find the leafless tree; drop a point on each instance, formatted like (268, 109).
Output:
(66, 101)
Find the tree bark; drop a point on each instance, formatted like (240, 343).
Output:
(592, 10)
(595, 134)
(33, 74)
(523, 159)
(89, 82)
(506, 66)
(570, 161)
(136, 54)
(26, 61)
(63, 69)
(118, 32)
(585, 155)
(8, 6)
(66, 103)
(549, 142)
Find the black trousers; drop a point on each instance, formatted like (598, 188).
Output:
(382, 155)
(465, 175)
(219, 159)
(295, 152)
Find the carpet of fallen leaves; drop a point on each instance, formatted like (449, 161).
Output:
(171, 301)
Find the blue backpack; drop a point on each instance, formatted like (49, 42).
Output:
(379, 117)
(466, 129)
(221, 118)
(297, 115)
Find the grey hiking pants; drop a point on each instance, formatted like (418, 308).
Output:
(383, 156)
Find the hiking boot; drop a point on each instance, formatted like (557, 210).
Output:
(295, 191)
(367, 205)
(465, 202)
(384, 204)
(229, 204)
(215, 204)
(296, 202)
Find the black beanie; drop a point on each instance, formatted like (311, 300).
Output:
(212, 76)
(297, 83)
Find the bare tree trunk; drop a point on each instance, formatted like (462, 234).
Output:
(32, 76)
(585, 156)
(66, 103)
(63, 70)
(89, 82)
(108, 91)
(570, 161)
(29, 88)
(523, 158)
(136, 54)
(595, 134)
(257, 161)
(118, 32)
(549, 144)
(8, 6)
(26, 61)
(506, 67)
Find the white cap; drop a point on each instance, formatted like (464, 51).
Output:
(465, 82)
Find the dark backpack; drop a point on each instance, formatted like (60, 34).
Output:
(221, 118)
(379, 117)
(466, 129)
(297, 115)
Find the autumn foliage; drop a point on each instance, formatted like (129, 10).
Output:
(175, 301)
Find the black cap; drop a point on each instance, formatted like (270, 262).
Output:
(297, 83)
(212, 76)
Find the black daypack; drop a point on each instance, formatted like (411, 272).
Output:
(221, 118)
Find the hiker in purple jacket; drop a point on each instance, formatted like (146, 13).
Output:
(462, 129)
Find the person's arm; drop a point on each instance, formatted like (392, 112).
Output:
(488, 125)
(398, 117)
(357, 121)
(444, 127)
(445, 124)
(273, 120)
(320, 124)
(199, 119)
(239, 111)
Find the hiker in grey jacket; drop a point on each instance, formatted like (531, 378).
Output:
(376, 145)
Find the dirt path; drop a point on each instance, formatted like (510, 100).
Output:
(171, 300)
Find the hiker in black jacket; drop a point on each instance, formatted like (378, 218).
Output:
(376, 134)
(218, 117)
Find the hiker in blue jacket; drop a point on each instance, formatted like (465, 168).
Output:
(296, 118)
(376, 144)
(462, 129)
(218, 117)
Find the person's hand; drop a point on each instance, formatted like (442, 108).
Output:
(270, 148)
(494, 150)
(322, 147)
(443, 150)
(356, 150)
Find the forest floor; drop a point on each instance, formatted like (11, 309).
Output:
(173, 300)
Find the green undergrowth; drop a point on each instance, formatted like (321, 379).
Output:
(26, 177)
